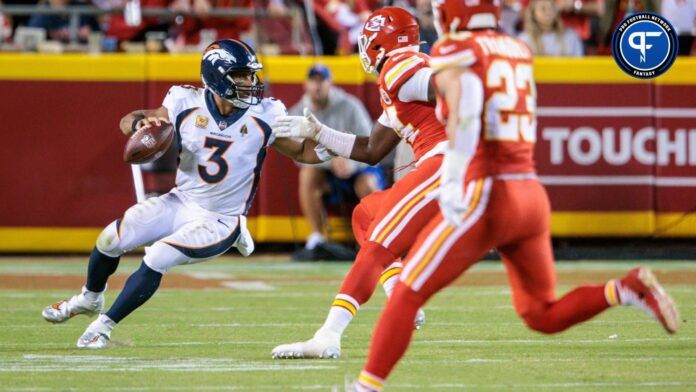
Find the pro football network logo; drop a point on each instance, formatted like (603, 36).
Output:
(645, 45)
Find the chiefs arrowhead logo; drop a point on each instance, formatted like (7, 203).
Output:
(376, 23)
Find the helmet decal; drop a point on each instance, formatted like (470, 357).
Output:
(215, 55)
(376, 23)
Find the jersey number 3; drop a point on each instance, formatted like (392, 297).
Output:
(219, 148)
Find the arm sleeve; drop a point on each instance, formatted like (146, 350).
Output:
(470, 108)
(416, 87)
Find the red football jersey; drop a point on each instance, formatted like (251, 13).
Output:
(414, 121)
(508, 122)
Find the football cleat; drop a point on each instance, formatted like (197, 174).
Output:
(62, 311)
(641, 289)
(312, 348)
(97, 334)
(420, 320)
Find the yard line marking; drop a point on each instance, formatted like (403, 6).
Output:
(209, 275)
(97, 363)
(249, 286)
(550, 341)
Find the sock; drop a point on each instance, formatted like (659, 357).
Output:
(369, 383)
(390, 277)
(140, 286)
(343, 309)
(99, 269)
(611, 292)
(314, 239)
(105, 324)
(392, 335)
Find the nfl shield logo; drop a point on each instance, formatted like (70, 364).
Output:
(222, 124)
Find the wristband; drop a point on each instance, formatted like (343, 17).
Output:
(339, 142)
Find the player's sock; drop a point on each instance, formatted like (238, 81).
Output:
(393, 334)
(611, 292)
(342, 311)
(140, 286)
(368, 383)
(99, 269)
(577, 306)
(390, 277)
(313, 240)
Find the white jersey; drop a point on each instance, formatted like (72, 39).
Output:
(220, 157)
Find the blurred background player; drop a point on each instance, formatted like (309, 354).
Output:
(384, 223)
(205, 214)
(490, 197)
(340, 181)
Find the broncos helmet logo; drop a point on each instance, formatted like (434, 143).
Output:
(375, 24)
(215, 55)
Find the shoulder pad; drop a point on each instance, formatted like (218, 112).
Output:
(398, 69)
(454, 50)
(269, 108)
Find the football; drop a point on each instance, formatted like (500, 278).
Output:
(147, 145)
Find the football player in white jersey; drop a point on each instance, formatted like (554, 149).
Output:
(222, 132)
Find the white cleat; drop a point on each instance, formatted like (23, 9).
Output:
(312, 348)
(420, 320)
(97, 334)
(62, 311)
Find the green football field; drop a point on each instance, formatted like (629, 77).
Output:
(212, 327)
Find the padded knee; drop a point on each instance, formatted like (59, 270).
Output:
(144, 212)
(108, 241)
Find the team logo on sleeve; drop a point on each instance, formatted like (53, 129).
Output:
(201, 121)
(645, 45)
(375, 24)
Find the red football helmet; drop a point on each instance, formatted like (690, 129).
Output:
(458, 15)
(386, 30)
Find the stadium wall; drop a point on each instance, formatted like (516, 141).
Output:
(617, 154)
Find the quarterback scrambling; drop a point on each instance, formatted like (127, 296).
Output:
(222, 132)
(384, 223)
(490, 197)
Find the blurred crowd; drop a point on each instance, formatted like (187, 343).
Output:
(550, 27)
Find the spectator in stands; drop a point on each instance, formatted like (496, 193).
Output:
(5, 27)
(117, 27)
(577, 15)
(545, 34)
(424, 15)
(336, 24)
(615, 12)
(18, 20)
(203, 27)
(339, 179)
(57, 26)
(682, 15)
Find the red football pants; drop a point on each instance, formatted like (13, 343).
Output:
(512, 216)
(386, 223)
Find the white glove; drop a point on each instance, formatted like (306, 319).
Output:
(450, 194)
(305, 127)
